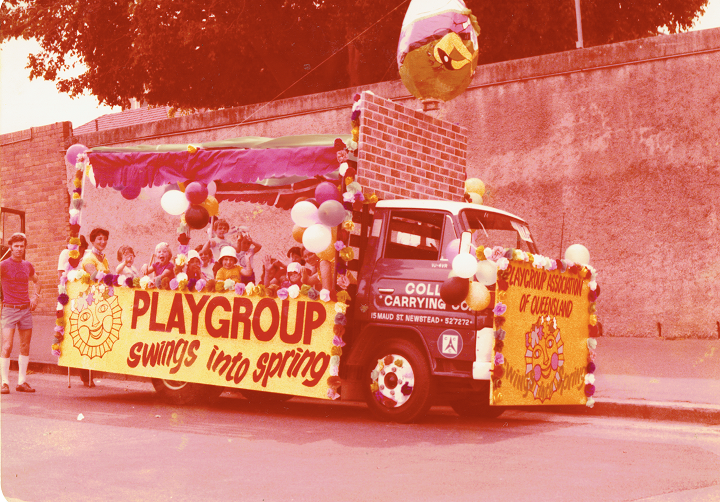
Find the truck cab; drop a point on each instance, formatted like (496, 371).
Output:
(410, 347)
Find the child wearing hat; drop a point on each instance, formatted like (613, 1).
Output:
(229, 267)
(193, 268)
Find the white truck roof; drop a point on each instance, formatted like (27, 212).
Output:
(443, 205)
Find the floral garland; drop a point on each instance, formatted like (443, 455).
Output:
(502, 257)
(82, 170)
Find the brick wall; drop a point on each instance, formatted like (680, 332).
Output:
(33, 179)
(405, 153)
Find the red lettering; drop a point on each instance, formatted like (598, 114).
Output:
(141, 304)
(177, 315)
(223, 329)
(269, 334)
(243, 316)
(312, 322)
(299, 320)
(154, 325)
(195, 309)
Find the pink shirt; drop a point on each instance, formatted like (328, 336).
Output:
(15, 276)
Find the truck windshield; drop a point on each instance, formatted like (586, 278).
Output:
(492, 229)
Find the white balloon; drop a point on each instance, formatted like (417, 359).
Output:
(464, 265)
(304, 214)
(212, 188)
(486, 273)
(174, 202)
(577, 253)
(317, 237)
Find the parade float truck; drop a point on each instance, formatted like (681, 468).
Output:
(431, 302)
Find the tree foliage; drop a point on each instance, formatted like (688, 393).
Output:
(222, 53)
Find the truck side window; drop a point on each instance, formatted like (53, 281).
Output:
(414, 235)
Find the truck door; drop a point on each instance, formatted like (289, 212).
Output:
(406, 281)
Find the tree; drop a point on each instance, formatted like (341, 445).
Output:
(222, 53)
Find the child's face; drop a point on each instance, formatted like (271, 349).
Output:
(228, 262)
(222, 230)
(294, 276)
(163, 255)
(194, 266)
(206, 256)
(129, 258)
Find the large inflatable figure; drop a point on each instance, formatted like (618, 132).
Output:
(438, 49)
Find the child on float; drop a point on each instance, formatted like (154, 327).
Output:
(295, 253)
(163, 268)
(273, 272)
(310, 271)
(126, 259)
(218, 241)
(229, 266)
(295, 273)
(193, 268)
(207, 262)
(246, 250)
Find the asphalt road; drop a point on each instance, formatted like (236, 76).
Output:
(117, 442)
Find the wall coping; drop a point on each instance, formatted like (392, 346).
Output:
(595, 58)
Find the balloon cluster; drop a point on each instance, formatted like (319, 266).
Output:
(459, 286)
(195, 200)
(316, 220)
(474, 190)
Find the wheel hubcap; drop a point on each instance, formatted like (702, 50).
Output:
(392, 381)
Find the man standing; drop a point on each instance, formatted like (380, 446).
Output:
(17, 306)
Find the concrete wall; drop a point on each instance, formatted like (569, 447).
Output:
(32, 179)
(615, 147)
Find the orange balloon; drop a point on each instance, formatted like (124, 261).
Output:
(328, 254)
(212, 206)
(297, 233)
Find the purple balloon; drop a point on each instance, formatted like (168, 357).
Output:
(331, 213)
(196, 192)
(72, 153)
(327, 191)
(453, 249)
(130, 193)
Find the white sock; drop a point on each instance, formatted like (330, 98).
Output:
(22, 368)
(5, 369)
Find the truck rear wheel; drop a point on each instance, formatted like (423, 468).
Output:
(400, 383)
(178, 392)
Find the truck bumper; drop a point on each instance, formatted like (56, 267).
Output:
(484, 343)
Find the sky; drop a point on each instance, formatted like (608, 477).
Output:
(25, 103)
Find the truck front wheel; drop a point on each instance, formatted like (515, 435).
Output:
(178, 392)
(400, 384)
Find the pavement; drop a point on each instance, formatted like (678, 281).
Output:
(650, 378)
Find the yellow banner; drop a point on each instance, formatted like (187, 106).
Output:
(542, 322)
(249, 342)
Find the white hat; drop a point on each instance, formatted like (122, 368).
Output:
(193, 254)
(228, 251)
(294, 267)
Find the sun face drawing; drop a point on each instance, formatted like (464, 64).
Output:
(544, 356)
(95, 322)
